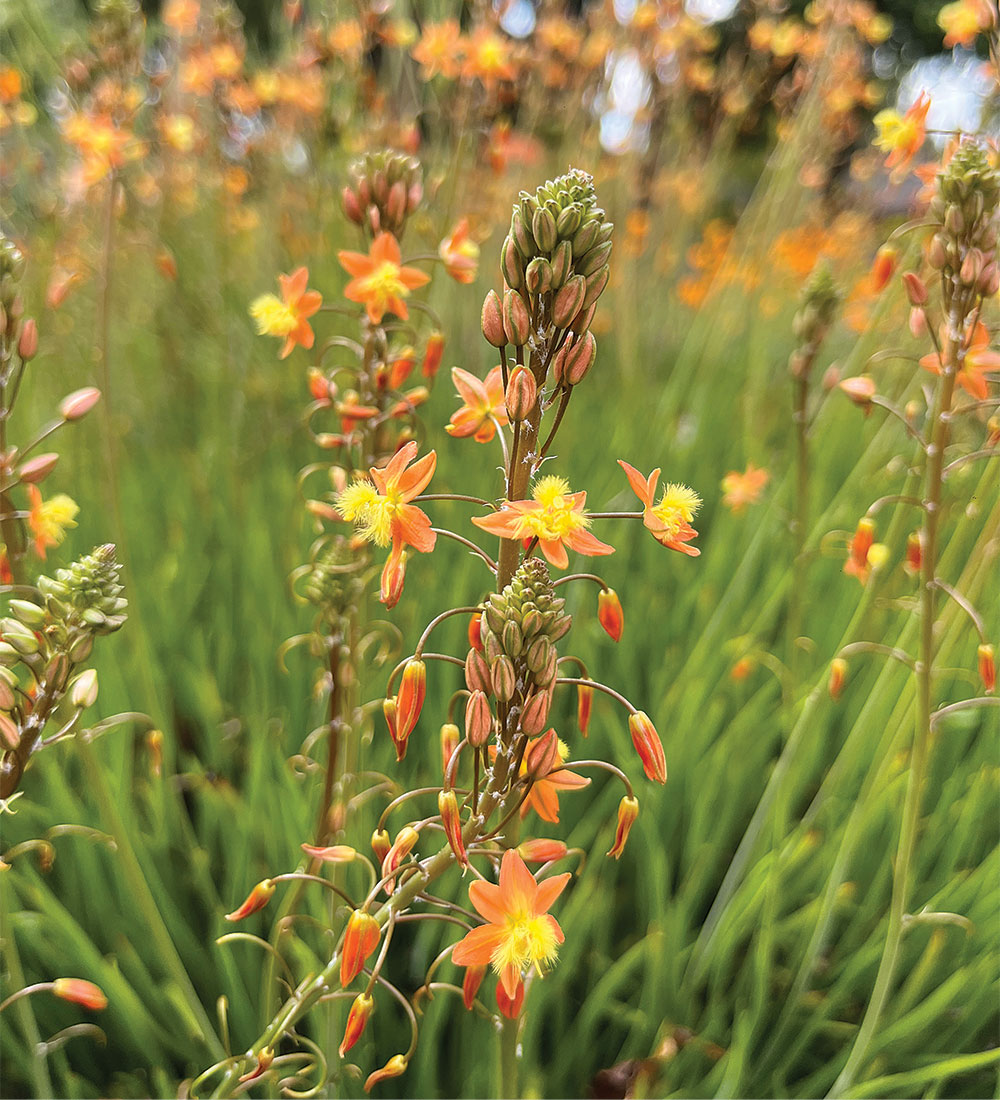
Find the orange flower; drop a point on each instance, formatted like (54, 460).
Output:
(520, 932)
(285, 317)
(488, 58)
(670, 520)
(381, 508)
(963, 20)
(380, 283)
(437, 51)
(484, 406)
(543, 797)
(554, 516)
(973, 364)
(460, 254)
(743, 489)
(902, 136)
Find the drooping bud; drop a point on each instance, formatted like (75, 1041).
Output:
(914, 554)
(541, 850)
(83, 690)
(478, 720)
(393, 579)
(628, 811)
(471, 982)
(381, 844)
(492, 320)
(476, 632)
(452, 821)
(352, 208)
(883, 267)
(860, 389)
(510, 1006)
(410, 700)
(433, 352)
(258, 897)
(404, 843)
(361, 937)
(542, 755)
(584, 704)
(37, 469)
(648, 745)
(610, 614)
(77, 404)
(916, 288)
(450, 738)
(331, 853)
(861, 543)
(838, 677)
(395, 1067)
(357, 1021)
(79, 991)
(27, 342)
(987, 668)
(389, 713)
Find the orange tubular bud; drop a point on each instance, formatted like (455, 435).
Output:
(258, 897)
(543, 755)
(510, 1006)
(402, 367)
(335, 853)
(393, 579)
(584, 704)
(916, 289)
(360, 939)
(381, 844)
(541, 850)
(628, 811)
(395, 1067)
(987, 668)
(264, 1060)
(838, 677)
(535, 713)
(80, 992)
(914, 554)
(410, 699)
(433, 352)
(449, 742)
(401, 848)
(452, 821)
(357, 1021)
(476, 632)
(610, 614)
(319, 387)
(648, 746)
(470, 984)
(492, 320)
(883, 267)
(478, 720)
(389, 712)
(861, 543)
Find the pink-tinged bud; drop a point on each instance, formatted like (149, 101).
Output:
(471, 982)
(360, 940)
(78, 991)
(357, 1021)
(542, 755)
(37, 469)
(917, 323)
(476, 632)
(610, 614)
(414, 196)
(860, 390)
(521, 394)
(395, 1067)
(433, 353)
(381, 845)
(83, 690)
(971, 269)
(883, 267)
(410, 700)
(393, 580)
(352, 207)
(579, 359)
(838, 677)
(396, 205)
(478, 720)
(516, 321)
(628, 811)
(504, 679)
(916, 288)
(27, 342)
(510, 1006)
(477, 672)
(258, 897)
(452, 821)
(648, 746)
(584, 705)
(535, 713)
(264, 1061)
(404, 843)
(541, 850)
(568, 301)
(989, 280)
(583, 320)
(374, 220)
(319, 386)
(987, 668)
(914, 554)
(449, 742)
(492, 320)
(333, 853)
(79, 403)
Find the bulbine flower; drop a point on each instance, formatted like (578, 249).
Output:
(670, 520)
(902, 136)
(520, 932)
(286, 317)
(460, 253)
(484, 407)
(744, 489)
(554, 516)
(381, 511)
(975, 362)
(380, 281)
(49, 519)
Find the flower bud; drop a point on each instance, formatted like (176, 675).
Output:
(883, 266)
(562, 262)
(477, 673)
(381, 844)
(410, 700)
(972, 267)
(543, 229)
(537, 656)
(258, 897)
(37, 469)
(395, 205)
(520, 234)
(79, 403)
(357, 1021)
(433, 352)
(596, 284)
(916, 288)
(542, 755)
(917, 323)
(538, 276)
(83, 690)
(516, 321)
(263, 1064)
(581, 322)
(860, 389)
(579, 359)
(450, 737)
(535, 713)
(914, 554)
(987, 668)
(512, 267)
(584, 704)
(452, 821)
(27, 342)
(471, 982)
(504, 680)
(476, 632)
(78, 991)
(510, 1006)
(585, 237)
(610, 614)
(393, 579)
(838, 677)
(648, 745)
(19, 637)
(389, 713)
(361, 937)
(404, 843)
(569, 301)
(30, 614)
(395, 1067)
(478, 720)
(332, 853)
(521, 393)
(352, 207)
(492, 320)
(628, 811)
(541, 850)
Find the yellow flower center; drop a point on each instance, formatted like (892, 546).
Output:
(677, 506)
(371, 513)
(384, 283)
(557, 517)
(51, 518)
(529, 941)
(273, 316)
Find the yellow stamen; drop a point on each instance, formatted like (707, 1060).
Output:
(273, 316)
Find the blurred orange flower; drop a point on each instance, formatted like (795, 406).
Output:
(484, 407)
(286, 317)
(380, 281)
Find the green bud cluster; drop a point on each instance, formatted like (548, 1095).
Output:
(385, 189)
(332, 584)
(11, 273)
(818, 304)
(964, 247)
(86, 597)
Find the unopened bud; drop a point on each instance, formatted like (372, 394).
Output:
(395, 1067)
(861, 390)
(535, 713)
(512, 267)
(78, 991)
(569, 301)
(410, 700)
(393, 579)
(521, 394)
(478, 719)
(914, 554)
(610, 614)
(477, 672)
(352, 207)
(381, 844)
(27, 342)
(628, 811)
(543, 229)
(37, 469)
(452, 822)
(516, 321)
(542, 755)
(450, 737)
(471, 982)
(258, 897)
(361, 937)
(541, 850)
(838, 677)
(357, 1021)
(538, 276)
(79, 403)
(504, 679)
(584, 704)
(987, 668)
(916, 288)
(648, 745)
(433, 352)
(83, 690)
(917, 322)
(883, 267)
(492, 320)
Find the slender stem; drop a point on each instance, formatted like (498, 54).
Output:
(41, 1081)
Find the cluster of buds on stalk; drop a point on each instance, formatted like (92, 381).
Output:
(507, 762)
(43, 643)
(385, 188)
(818, 305)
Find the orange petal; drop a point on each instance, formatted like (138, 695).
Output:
(415, 480)
(548, 890)
(470, 389)
(586, 543)
(357, 264)
(414, 528)
(641, 486)
(477, 948)
(554, 552)
(486, 899)
(385, 247)
(517, 884)
(502, 523)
